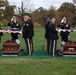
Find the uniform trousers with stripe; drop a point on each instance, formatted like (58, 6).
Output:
(51, 46)
(29, 45)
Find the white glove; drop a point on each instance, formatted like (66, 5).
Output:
(12, 19)
(74, 30)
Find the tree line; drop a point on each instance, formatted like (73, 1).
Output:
(38, 15)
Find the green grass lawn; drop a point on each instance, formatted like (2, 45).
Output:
(37, 66)
(53, 66)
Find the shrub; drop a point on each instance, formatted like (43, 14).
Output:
(4, 22)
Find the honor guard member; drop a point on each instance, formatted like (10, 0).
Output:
(51, 35)
(46, 33)
(64, 25)
(28, 33)
(1, 33)
(15, 25)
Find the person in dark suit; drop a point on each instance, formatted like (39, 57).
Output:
(28, 33)
(64, 25)
(15, 25)
(51, 35)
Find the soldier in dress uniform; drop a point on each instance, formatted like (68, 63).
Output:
(64, 25)
(15, 25)
(51, 35)
(28, 33)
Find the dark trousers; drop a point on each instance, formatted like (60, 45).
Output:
(14, 36)
(29, 45)
(51, 46)
(64, 38)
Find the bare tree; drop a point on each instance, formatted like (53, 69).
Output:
(27, 5)
(51, 10)
(74, 1)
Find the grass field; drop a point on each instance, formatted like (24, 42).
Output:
(37, 66)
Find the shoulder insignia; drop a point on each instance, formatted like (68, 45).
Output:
(67, 25)
(17, 24)
(27, 24)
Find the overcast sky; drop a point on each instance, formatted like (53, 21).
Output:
(41, 3)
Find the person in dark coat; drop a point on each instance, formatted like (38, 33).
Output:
(51, 35)
(28, 33)
(64, 25)
(15, 25)
(1, 33)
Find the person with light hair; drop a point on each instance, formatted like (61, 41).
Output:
(64, 25)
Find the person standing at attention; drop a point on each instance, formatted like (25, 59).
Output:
(28, 33)
(15, 26)
(65, 26)
(51, 35)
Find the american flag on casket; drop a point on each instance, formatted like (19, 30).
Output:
(65, 30)
(11, 31)
(20, 32)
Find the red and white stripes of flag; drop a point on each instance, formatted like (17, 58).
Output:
(20, 32)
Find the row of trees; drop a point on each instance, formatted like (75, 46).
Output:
(38, 15)
(6, 11)
(66, 9)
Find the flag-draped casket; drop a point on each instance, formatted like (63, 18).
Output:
(69, 48)
(11, 47)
